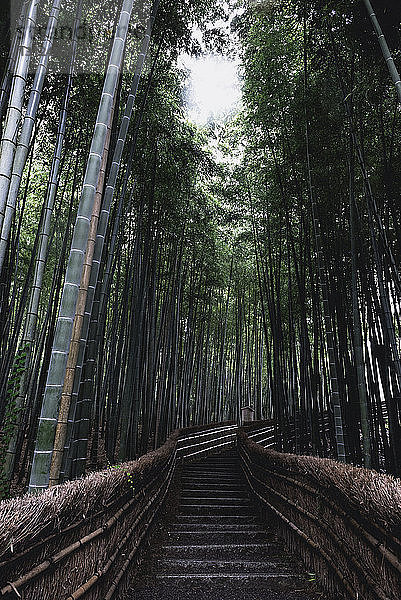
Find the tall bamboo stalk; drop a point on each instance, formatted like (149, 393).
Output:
(395, 76)
(48, 420)
(81, 433)
(22, 149)
(357, 329)
(335, 392)
(15, 105)
(65, 402)
(12, 56)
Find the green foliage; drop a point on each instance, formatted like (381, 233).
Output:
(130, 476)
(12, 414)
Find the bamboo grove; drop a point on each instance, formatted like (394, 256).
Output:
(155, 274)
(322, 129)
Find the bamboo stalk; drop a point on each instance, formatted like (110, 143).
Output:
(39, 479)
(395, 76)
(81, 427)
(14, 111)
(76, 338)
(22, 148)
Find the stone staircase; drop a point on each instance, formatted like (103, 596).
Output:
(215, 546)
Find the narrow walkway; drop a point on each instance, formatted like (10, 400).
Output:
(216, 548)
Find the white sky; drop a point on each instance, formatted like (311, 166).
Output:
(213, 89)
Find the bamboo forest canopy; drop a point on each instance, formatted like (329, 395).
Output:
(157, 273)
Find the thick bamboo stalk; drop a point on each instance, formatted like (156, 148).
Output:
(81, 433)
(65, 402)
(12, 56)
(57, 369)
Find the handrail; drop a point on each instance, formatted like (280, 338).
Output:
(260, 431)
(208, 432)
(230, 436)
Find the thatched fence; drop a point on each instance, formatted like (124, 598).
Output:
(81, 539)
(344, 521)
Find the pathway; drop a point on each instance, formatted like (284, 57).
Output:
(215, 547)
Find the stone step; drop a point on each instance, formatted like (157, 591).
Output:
(184, 565)
(234, 467)
(207, 493)
(212, 473)
(276, 581)
(214, 527)
(231, 462)
(221, 486)
(210, 480)
(213, 476)
(219, 501)
(207, 466)
(227, 519)
(220, 483)
(214, 509)
(242, 588)
(204, 466)
(217, 537)
(201, 475)
(212, 468)
(250, 551)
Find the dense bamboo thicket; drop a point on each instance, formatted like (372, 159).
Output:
(321, 134)
(156, 274)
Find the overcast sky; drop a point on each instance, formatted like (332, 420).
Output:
(213, 88)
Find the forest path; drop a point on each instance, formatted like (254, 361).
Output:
(215, 547)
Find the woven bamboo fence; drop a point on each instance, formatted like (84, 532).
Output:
(81, 539)
(344, 521)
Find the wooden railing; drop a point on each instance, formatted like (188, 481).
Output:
(344, 521)
(80, 539)
(198, 443)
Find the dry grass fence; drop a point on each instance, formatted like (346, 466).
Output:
(80, 539)
(344, 521)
